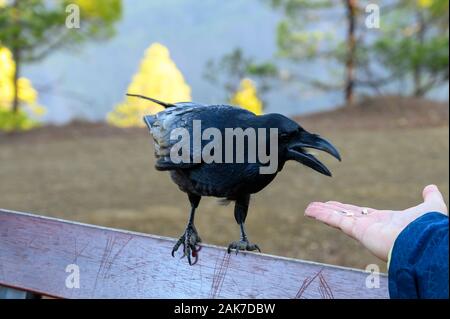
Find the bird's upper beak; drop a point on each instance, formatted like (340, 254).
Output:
(296, 151)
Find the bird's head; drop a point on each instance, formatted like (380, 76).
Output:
(293, 142)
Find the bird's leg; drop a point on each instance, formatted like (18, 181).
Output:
(240, 213)
(190, 238)
(243, 244)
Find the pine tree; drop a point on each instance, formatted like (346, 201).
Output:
(33, 29)
(158, 77)
(247, 97)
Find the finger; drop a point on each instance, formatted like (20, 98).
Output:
(317, 208)
(433, 197)
(432, 193)
(332, 216)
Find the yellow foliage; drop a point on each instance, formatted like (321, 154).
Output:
(247, 97)
(103, 9)
(26, 93)
(158, 77)
(425, 3)
(87, 6)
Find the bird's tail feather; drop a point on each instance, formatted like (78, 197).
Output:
(164, 104)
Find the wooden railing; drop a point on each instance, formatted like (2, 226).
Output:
(64, 259)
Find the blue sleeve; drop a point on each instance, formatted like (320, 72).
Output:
(419, 260)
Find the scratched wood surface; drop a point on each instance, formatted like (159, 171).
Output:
(35, 251)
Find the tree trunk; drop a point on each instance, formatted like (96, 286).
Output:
(16, 57)
(417, 72)
(351, 7)
(15, 101)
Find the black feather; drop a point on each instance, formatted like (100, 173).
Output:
(164, 104)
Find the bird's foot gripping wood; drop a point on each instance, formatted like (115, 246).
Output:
(243, 244)
(190, 240)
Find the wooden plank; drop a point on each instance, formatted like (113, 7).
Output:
(36, 251)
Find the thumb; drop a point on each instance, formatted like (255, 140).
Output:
(432, 195)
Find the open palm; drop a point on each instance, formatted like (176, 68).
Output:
(376, 229)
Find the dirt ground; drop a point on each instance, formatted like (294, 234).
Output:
(97, 174)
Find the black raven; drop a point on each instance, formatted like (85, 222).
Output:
(231, 181)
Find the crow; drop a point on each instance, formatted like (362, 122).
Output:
(229, 181)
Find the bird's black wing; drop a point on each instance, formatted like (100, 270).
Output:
(161, 125)
(182, 116)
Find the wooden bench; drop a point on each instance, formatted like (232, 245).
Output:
(43, 256)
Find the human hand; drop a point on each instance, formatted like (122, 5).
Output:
(376, 229)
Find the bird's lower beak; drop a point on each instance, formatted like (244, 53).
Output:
(297, 152)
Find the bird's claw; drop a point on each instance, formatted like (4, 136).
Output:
(243, 245)
(190, 240)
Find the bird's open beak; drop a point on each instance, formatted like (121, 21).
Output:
(297, 152)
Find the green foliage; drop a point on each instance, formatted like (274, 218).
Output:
(262, 69)
(37, 27)
(15, 121)
(98, 17)
(296, 44)
(293, 6)
(407, 54)
(300, 35)
(32, 29)
(412, 43)
(234, 67)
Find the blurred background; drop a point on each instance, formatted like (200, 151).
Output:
(371, 76)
